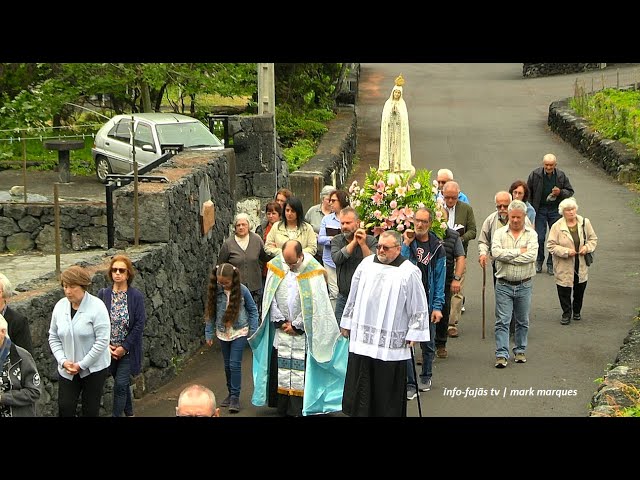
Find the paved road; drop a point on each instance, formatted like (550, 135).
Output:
(489, 125)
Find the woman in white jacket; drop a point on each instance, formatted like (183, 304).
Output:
(79, 338)
(570, 238)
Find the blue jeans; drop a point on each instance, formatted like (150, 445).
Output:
(232, 355)
(341, 302)
(512, 299)
(428, 353)
(545, 216)
(121, 372)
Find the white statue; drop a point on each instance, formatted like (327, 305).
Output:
(395, 147)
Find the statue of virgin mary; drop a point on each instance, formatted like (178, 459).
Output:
(395, 147)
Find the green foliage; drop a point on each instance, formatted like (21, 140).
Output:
(301, 125)
(613, 113)
(298, 154)
(43, 95)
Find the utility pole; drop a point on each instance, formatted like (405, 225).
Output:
(267, 102)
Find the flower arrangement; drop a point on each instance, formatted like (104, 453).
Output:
(387, 201)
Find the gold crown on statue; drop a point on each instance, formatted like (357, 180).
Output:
(400, 80)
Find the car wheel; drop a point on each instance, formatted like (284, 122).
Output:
(103, 168)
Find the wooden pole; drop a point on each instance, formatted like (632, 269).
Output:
(24, 168)
(56, 213)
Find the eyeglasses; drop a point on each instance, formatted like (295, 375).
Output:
(417, 220)
(384, 248)
(501, 206)
(119, 270)
(449, 197)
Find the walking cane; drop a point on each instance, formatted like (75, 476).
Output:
(484, 283)
(415, 376)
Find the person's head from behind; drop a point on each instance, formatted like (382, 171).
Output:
(273, 212)
(292, 254)
(388, 247)
(349, 222)
(224, 277)
(121, 270)
(293, 212)
(197, 401)
(282, 195)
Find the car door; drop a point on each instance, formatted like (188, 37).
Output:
(144, 137)
(118, 146)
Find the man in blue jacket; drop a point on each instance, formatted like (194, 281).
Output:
(426, 251)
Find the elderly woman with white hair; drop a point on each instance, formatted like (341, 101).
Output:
(570, 239)
(245, 251)
(19, 378)
(18, 324)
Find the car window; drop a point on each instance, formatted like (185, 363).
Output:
(143, 135)
(190, 134)
(121, 130)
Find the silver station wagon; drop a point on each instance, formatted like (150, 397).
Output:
(150, 134)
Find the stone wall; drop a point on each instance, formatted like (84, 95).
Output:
(614, 157)
(31, 227)
(173, 261)
(546, 69)
(621, 162)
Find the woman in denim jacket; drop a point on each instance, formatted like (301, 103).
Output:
(235, 313)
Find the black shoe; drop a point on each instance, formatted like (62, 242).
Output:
(576, 316)
(565, 320)
(538, 267)
(550, 269)
(226, 401)
(234, 405)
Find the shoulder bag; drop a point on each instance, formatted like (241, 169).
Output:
(588, 257)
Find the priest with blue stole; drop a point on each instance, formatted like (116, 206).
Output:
(299, 356)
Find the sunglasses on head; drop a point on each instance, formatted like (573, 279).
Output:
(119, 270)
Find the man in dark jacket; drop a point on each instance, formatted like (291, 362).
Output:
(424, 249)
(18, 325)
(548, 186)
(19, 378)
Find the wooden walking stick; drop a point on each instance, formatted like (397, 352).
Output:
(415, 376)
(484, 283)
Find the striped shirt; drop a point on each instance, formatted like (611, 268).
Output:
(511, 265)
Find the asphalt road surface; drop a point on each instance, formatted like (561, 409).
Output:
(488, 125)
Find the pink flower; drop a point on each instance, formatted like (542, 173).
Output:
(393, 204)
(380, 186)
(377, 198)
(377, 214)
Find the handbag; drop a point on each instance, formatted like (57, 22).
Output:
(588, 257)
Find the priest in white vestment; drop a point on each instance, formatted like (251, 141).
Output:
(385, 313)
(299, 356)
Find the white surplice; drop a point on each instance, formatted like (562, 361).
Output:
(387, 306)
